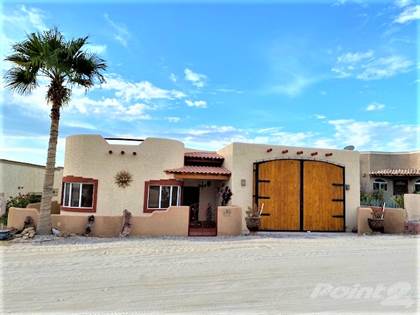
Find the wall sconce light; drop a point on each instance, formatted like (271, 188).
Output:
(269, 150)
(299, 152)
(328, 154)
(314, 153)
(285, 151)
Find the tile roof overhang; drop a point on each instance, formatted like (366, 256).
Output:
(204, 155)
(407, 172)
(207, 170)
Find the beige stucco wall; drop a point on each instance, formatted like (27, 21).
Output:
(229, 220)
(374, 161)
(239, 159)
(87, 156)
(18, 177)
(171, 222)
(412, 205)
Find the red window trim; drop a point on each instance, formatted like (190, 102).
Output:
(160, 182)
(76, 179)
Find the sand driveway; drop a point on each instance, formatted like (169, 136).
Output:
(270, 273)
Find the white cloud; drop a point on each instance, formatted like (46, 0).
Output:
(403, 3)
(355, 57)
(409, 14)
(97, 49)
(121, 33)
(376, 135)
(365, 66)
(374, 107)
(196, 79)
(143, 90)
(173, 119)
(199, 104)
(25, 18)
(78, 124)
(294, 86)
(384, 68)
(173, 77)
(320, 117)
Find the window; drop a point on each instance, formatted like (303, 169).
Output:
(417, 186)
(162, 194)
(380, 184)
(79, 194)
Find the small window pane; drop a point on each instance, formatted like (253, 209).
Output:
(417, 187)
(75, 194)
(375, 186)
(87, 195)
(153, 197)
(174, 201)
(66, 194)
(384, 187)
(164, 201)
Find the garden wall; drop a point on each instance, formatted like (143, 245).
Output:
(412, 204)
(229, 220)
(394, 220)
(171, 222)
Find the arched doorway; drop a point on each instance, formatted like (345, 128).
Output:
(300, 195)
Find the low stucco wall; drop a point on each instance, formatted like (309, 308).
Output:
(55, 206)
(172, 222)
(229, 220)
(412, 205)
(17, 216)
(394, 220)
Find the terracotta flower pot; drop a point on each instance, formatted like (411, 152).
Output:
(253, 224)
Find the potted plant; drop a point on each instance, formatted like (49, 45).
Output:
(253, 219)
(376, 223)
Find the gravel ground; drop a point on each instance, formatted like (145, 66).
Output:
(264, 274)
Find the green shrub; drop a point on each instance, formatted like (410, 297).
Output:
(19, 201)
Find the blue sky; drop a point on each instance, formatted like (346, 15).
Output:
(320, 74)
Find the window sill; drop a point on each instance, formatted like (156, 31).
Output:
(156, 209)
(78, 209)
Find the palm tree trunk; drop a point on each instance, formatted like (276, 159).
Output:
(44, 225)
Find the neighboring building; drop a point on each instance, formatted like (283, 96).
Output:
(19, 177)
(299, 189)
(393, 173)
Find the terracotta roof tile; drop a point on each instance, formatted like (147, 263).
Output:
(204, 155)
(396, 172)
(211, 170)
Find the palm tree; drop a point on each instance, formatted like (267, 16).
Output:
(64, 64)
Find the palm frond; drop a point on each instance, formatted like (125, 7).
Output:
(21, 80)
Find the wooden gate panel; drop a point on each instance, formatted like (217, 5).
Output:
(279, 190)
(323, 197)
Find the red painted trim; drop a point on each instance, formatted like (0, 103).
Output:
(76, 179)
(160, 182)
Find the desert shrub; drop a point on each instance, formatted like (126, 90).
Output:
(19, 201)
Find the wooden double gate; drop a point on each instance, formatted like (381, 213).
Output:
(300, 195)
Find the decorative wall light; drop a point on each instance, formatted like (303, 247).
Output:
(123, 179)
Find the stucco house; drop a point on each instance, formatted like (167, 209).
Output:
(394, 173)
(299, 189)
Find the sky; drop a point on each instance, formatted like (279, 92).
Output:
(321, 74)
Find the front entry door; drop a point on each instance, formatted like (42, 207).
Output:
(400, 186)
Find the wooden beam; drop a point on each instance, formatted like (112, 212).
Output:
(202, 176)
